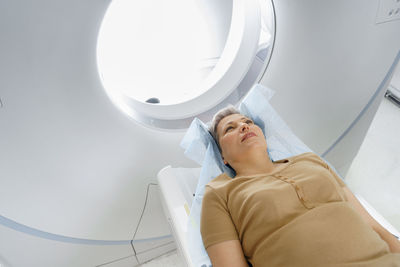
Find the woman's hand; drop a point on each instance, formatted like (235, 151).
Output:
(394, 244)
(227, 254)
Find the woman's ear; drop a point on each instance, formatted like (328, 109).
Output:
(225, 162)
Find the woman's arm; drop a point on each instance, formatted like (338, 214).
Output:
(219, 233)
(227, 254)
(394, 244)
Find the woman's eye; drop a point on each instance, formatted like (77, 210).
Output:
(228, 129)
(249, 121)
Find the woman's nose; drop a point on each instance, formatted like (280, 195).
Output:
(244, 127)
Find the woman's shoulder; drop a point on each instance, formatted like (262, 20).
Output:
(308, 158)
(219, 181)
(307, 155)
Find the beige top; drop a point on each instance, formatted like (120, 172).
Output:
(295, 216)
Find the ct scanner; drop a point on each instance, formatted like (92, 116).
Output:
(78, 162)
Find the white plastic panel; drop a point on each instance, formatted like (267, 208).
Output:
(326, 70)
(145, 256)
(153, 224)
(129, 261)
(19, 249)
(175, 207)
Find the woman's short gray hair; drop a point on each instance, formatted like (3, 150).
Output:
(222, 113)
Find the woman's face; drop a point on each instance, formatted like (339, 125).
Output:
(238, 136)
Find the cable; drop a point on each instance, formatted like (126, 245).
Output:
(140, 219)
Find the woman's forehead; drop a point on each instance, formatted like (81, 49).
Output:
(231, 119)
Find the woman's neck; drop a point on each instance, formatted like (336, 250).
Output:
(255, 163)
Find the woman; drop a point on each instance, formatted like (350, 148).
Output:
(291, 212)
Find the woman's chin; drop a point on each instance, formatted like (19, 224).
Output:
(256, 147)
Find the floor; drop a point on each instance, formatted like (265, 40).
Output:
(170, 259)
(374, 173)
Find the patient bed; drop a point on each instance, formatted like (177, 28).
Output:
(177, 188)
